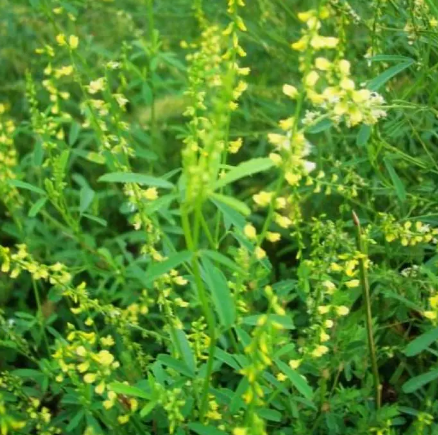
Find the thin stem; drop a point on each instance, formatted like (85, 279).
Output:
(368, 314)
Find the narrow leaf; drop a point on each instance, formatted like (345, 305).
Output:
(381, 79)
(299, 383)
(398, 184)
(417, 382)
(34, 210)
(220, 293)
(128, 390)
(200, 429)
(86, 198)
(129, 177)
(422, 342)
(245, 169)
(232, 202)
(23, 185)
(174, 260)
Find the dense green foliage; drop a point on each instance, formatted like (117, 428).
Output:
(218, 217)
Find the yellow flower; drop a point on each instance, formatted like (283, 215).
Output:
(431, 315)
(294, 363)
(353, 283)
(151, 193)
(100, 388)
(259, 253)
(344, 67)
(323, 309)
(281, 377)
(322, 63)
(250, 231)
(273, 237)
(434, 301)
(320, 351)
(290, 91)
(123, 419)
(347, 84)
(107, 341)
(108, 404)
(89, 378)
(263, 198)
(60, 39)
(283, 221)
(83, 367)
(311, 79)
(240, 431)
(104, 357)
(73, 41)
(81, 351)
(235, 145)
(342, 310)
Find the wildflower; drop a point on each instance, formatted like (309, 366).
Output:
(281, 377)
(320, 350)
(240, 431)
(104, 357)
(89, 378)
(322, 63)
(323, 309)
(250, 231)
(290, 91)
(259, 253)
(235, 145)
(263, 198)
(431, 315)
(60, 39)
(342, 310)
(96, 86)
(73, 42)
(107, 341)
(123, 419)
(273, 237)
(353, 283)
(294, 363)
(150, 194)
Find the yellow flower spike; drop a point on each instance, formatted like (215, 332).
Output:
(250, 231)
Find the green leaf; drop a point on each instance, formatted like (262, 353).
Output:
(381, 79)
(245, 169)
(73, 133)
(390, 58)
(129, 177)
(321, 126)
(398, 184)
(86, 198)
(174, 260)
(363, 135)
(232, 202)
(220, 293)
(222, 259)
(176, 365)
(128, 390)
(74, 421)
(34, 210)
(299, 383)
(231, 217)
(96, 219)
(200, 429)
(417, 382)
(23, 185)
(422, 342)
(186, 350)
(147, 409)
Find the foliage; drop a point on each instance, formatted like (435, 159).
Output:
(218, 217)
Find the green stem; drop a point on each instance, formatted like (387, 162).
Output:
(368, 313)
(40, 315)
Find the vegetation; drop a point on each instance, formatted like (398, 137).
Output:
(218, 218)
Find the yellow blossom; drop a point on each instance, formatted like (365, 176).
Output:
(273, 237)
(353, 283)
(262, 198)
(250, 231)
(151, 193)
(259, 253)
(290, 91)
(73, 42)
